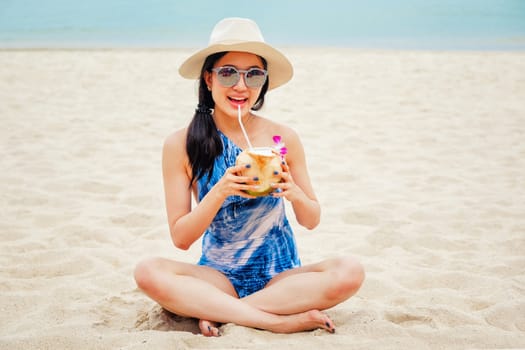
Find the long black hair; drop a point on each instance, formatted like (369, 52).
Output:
(203, 142)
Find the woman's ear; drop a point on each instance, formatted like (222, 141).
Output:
(207, 79)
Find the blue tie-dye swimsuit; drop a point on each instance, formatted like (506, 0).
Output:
(249, 240)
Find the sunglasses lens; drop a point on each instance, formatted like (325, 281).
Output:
(228, 76)
(255, 77)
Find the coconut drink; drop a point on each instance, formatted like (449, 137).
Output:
(261, 163)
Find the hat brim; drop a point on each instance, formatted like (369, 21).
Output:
(280, 70)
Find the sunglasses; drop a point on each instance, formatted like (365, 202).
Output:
(229, 76)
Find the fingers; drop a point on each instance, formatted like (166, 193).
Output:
(281, 189)
(235, 184)
(285, 166)
(237, 168)
(234, 174)
(286, 187)
(240, 189)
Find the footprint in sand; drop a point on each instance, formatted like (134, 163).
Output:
(405, 319)
(159, 319)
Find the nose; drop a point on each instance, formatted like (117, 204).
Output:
(241, 84)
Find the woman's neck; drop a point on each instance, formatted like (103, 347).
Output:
(232, 129)
(227, 124)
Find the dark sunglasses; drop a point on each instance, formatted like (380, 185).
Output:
(229, 76)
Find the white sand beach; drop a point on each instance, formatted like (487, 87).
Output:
(418, 159)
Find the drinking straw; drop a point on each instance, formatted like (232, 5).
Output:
(242, 127)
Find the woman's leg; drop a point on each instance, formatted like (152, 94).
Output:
(204, 293)
(316, 286)
(153, 275)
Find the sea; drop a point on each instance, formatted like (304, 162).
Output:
(382, 24)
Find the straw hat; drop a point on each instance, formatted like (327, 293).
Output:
(240, 34)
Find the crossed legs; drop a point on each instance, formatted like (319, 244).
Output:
(289, 303)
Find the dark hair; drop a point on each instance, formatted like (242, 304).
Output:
(203, 142)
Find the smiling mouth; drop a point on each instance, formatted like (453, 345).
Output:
(238, 101)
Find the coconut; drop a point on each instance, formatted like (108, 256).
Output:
(262, 163)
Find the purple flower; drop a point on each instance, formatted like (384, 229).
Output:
(279, 146)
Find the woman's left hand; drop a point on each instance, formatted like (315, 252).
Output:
(287, 187)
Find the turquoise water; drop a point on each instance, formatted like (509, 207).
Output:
(413, 24)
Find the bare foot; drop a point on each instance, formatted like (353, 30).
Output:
(209, 329)
(305, 321)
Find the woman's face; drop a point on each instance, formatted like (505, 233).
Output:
(227, 99)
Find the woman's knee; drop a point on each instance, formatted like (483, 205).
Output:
(348, 276)
(146, 273)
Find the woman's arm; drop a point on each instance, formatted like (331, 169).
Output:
(187, 225)
(296, 185)
(184, 228)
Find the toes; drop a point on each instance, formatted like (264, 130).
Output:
(215, 331)
(329, 327)
(209, 329)
(320, 320)
(328, 324)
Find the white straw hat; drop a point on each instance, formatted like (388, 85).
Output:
(240, 34)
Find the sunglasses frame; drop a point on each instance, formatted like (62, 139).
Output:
(238, 72)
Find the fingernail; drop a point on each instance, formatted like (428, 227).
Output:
(255, 178)
(209, 329)
(276, 172)
(283, 162)
(248, 166)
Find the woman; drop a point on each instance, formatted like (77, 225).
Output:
(249, 272)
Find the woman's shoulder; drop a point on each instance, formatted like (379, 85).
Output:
(176, 142)
(274, 128)
(174, 156)
(176, 138)
(289, 137)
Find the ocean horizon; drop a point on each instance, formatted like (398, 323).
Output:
(404, 24)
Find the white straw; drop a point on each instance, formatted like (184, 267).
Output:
(242, 126)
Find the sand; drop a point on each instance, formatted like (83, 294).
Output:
(418, 159)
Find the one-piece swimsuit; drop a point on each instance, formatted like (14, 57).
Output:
(249, 240)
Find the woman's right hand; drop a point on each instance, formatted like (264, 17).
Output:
(233, 183)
